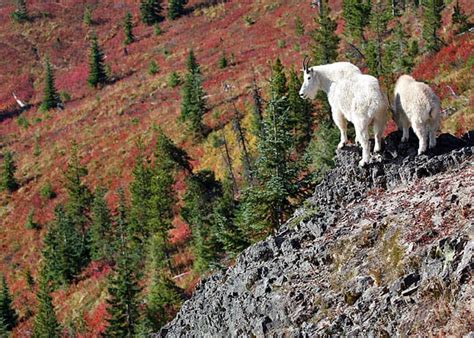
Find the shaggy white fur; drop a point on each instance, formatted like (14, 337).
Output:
(353, 97)
(417, 105)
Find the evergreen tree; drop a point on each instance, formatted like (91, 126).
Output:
(325, 40)
(162, 195)
(140, 191)
(192, 65)
(167, 151)
(9, 182)
(3, 329)
(356, 14)
(299, 27)
(278, 85)
(21, 12)
(300, 118)
(45, 322)
(322, 148)
(63, 250)
(101, 228)
(87, 17)
(150, 11)
(460, 19)
(30, 223)
(223, 61)
(375, 48)
(193, 103)
(78, 203)
(163, 296)
(127, 29)
(405, 60)
(227, 232)
(97, 72)
(201, 194)
(432, 23)
(50, 97)
(174, 80)
(153, 68)
(123, 286)
(267, 205)
(7, 313)
(175, 8)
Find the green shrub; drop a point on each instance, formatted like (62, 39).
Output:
(47, 192)
(153, 68)
(22, 121)
(281, 43)
(299, 28)
(174, 80)
(223, 61)
(64, 96)
(157, 30)
(29, 223)
(249, 20)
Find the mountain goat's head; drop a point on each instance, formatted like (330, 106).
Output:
(311, 83)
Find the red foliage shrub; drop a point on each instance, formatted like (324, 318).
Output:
(452, 55)
(96, 321)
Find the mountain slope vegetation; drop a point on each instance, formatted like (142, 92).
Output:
(103, 154)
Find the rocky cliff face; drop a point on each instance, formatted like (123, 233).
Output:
(384, 250)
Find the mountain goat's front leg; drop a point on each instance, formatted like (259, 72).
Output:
(341, 123)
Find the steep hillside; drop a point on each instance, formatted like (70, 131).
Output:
(385, 251)
(107, 123)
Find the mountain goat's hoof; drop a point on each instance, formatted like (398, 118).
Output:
(341, 145)
(377, 158)
(363, 163)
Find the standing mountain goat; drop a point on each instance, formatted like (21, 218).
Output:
(353, 97)
(417, 105)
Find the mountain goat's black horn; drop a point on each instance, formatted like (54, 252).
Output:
(305, 63)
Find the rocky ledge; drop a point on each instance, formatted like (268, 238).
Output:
(383, 250)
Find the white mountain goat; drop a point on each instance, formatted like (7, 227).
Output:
(352, 96)
(417, 105)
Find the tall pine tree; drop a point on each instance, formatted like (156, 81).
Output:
(325, 40)
(63, 251)
(193, 103)
(432, 23)
(140, 191)
(202, 192)
(50, 97)
(97, 73)
(79, 202)
(150, 11)
(101, 228)
(376, 47)
(7, 313)
(175, 8)
(163, 297)
(45, 321)
(8, 180)
(123, 286)
(127, 29)
(300, 117)
(356, 14)
(229, 235)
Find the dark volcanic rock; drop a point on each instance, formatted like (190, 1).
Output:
(383, 250)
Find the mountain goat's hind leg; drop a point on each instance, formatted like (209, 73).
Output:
(379, 128)
(421, 131)
(341, 123)
(362, 133)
